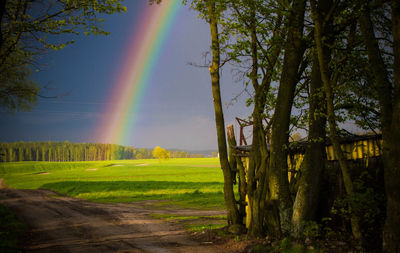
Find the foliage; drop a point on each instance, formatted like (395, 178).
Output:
(160, 153)
(30, 28)
(312, 229)
(367, 204)
(351, 47)
(66, 151)
(288, 246)
(17, 92)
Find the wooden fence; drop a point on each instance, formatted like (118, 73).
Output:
(363, 154)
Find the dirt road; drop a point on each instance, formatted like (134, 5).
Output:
(62, 224)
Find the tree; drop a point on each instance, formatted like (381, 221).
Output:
(388, 89)
(263, 54)
(306, 201)
(259, 34)
(211, 11)
(29, 28)
(160, 153)
(294, 50)
(324, 72)
(329, 80)
(230, 201)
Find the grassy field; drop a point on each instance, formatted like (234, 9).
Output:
(194, 183)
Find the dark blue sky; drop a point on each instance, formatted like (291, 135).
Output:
(176, 112)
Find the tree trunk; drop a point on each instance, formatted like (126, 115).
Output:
(256, 176)
(391, 232)
(263, 216)
(242, 188)
(389, 101)
(278, 171)
(323, 60)
(306, 202)
(237, 168)
(230, 202)
(231, 153)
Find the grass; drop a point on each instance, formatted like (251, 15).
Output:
(10, 230)
(194, 183)
(169, 217)
(202, 227)
(195, 223)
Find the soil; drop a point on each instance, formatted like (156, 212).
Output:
(63, 224)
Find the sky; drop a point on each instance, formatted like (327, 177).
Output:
(176, 111)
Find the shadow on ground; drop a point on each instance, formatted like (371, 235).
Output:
(205, 195)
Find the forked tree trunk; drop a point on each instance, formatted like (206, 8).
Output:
(260, 211)
(256, 176)
(278, 168)
(230, 202)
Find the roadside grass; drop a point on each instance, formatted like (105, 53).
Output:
(189, 183)
(169, 217)
(11, 229)
(202, 227)
(195, 223)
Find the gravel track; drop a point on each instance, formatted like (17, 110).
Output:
(62, 224)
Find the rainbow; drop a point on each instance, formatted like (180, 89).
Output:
(140, 59)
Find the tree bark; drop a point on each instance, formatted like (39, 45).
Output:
(263, 216)
(379, 70)
(333, 134)
(256, 176)
(391, 231)
(230, 202)
(389, 101)
(278, 171)
(231, 151)
(242, 188)
(237, 168)
(306, 202)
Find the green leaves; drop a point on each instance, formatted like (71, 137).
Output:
(30, 27)
(161, 153)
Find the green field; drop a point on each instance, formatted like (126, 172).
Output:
(194, 183)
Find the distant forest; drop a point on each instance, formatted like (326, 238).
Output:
(69, 152)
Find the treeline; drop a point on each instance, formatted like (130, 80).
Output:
(185, 154)
(69, 152)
